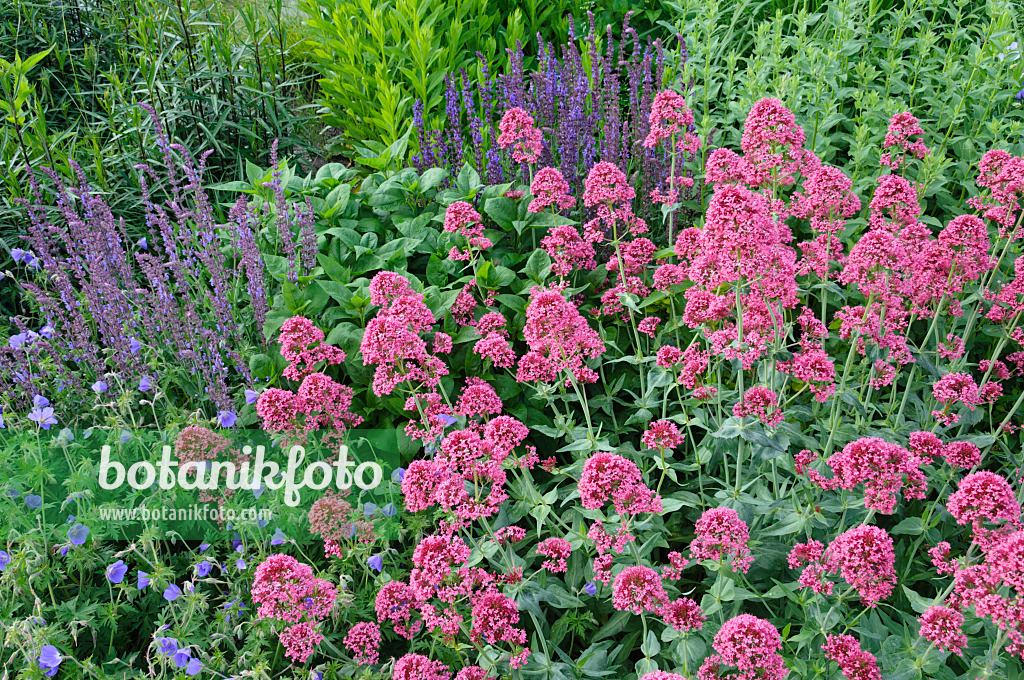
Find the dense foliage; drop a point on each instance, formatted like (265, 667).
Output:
(686, 370)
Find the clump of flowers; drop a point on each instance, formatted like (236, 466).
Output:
(518, 131)
(854, 662)
(748, 645)
(864, 556)
(638, 589)
(286, 590)
(722, 536)
(883, 468)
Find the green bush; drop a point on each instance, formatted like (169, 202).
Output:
(221, 77)
(846, 69)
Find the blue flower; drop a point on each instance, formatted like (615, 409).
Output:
(369, 510)
(226, 419)
(168, 645)
(143, 580)
(590, 588)
(99, 387)
(18, 254)
(78, 533)
(3, 425)
(135, 346)
(447, 419)
(125, 437)
(116, 571)
(47, 332)
(240, 565)
(376, 563)
(182, 657)
(49, 660)
(33, 501)
(143, 243)
(203, 569)
(251, 396)
(389, 510)
(194, 666)
(258, 491)
(144, 384)
(398, 475)
(172, 593)
(278, 537)
(66, 435)
(5, 559)
(16, 341)
(43, 417)
(39, 401)
(203, 547)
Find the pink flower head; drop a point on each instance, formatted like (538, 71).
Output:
(495, 346)
(668, 356)
(952, 389)
(494, 620)
(962, 454)
(278, 408)
(662, 434)
(517, 130)
(855, 663)
(363, 640)
(396, 602)
(419, 667)
(670, 116)
(433, 561)
(648, 325)
(772, 145)
(1002, 175)
(902, 127)
(943, 627)
(864, 557)
(568, 250)
(984, 499)
(558, 549)
(478, 398)
(760, 402)
(751, 646)
(884, 469)
(827, 201)
(683, 614)
(549, 188)
(722, 535)
(610, 476)
(299, 641)
(286, 589)
(925, 445)
(557, 332)
(638, 589)
(606, 184)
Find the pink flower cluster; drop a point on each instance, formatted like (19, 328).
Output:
(608, 476)
(559, 339)
(286, 590)
(854, 662)
(722, 535)
(902, 127)
(883, 468)
(320, 403)
(864, 556)
(517, 130)
(749, 648)
(392, 341)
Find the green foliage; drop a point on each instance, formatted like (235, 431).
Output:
(845, 68)
(227, 79)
